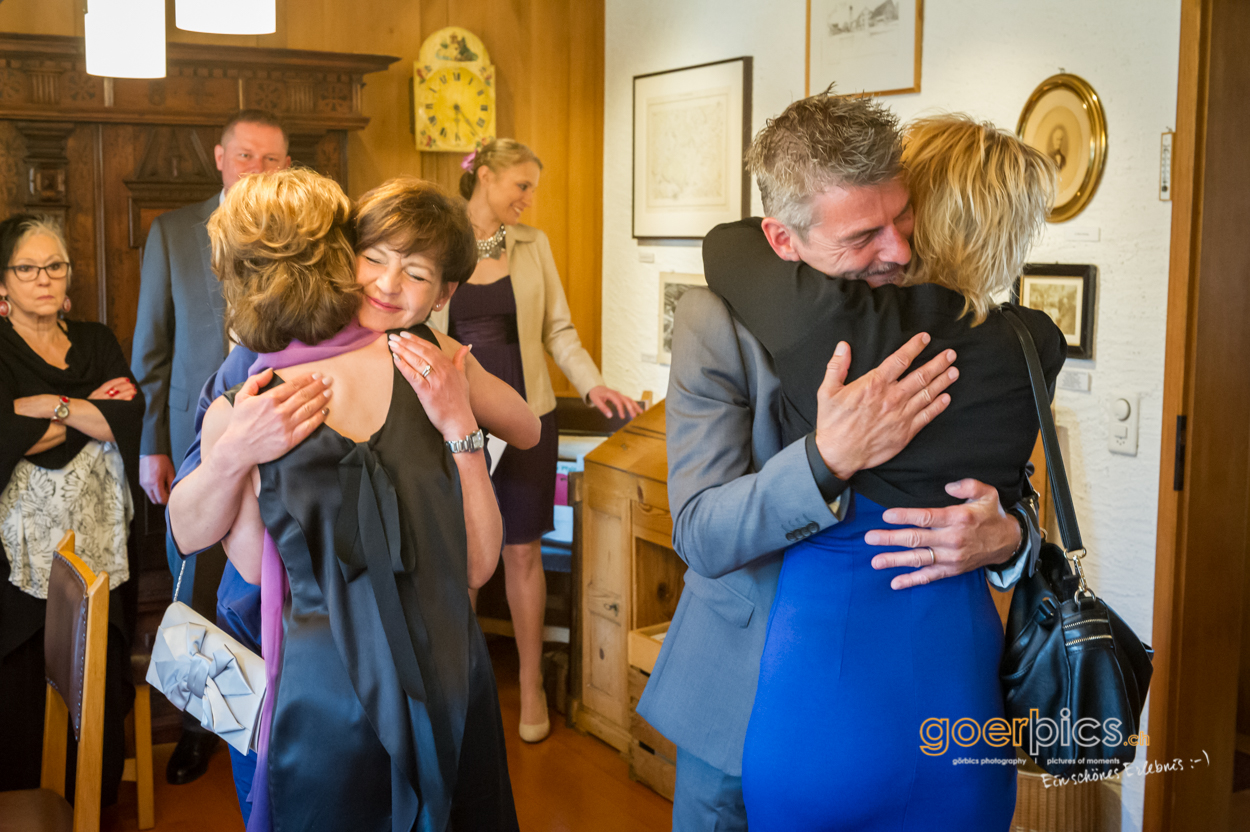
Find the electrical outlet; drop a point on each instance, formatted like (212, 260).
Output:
(1122, 422)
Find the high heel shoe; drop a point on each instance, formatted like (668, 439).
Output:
(538, 731)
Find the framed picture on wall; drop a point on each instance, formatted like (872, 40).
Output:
(1066, 293)
(672, 286)
(1064, 119)
(690, 128)
(868, 48)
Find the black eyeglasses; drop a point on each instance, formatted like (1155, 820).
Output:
(26, 272)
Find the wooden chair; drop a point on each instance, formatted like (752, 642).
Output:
(75, 644)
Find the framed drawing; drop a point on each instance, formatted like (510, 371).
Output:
(1065, 293)
(1064, 119)
(690, 128)
(864, 49)
(672, 286)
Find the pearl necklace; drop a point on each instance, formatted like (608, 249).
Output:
(492, 246)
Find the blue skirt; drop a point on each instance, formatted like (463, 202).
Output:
(872, 700)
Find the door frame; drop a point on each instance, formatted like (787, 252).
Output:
(1202, 515)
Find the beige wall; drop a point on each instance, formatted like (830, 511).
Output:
(382, 27)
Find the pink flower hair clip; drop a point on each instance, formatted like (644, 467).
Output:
(467, 162)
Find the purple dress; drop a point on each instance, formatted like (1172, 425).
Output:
(484, 315)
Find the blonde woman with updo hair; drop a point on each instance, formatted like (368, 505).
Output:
(367, 532)
(514, 313)
(860, 683)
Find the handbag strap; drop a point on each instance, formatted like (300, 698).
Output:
(1064, 510)
(178, 586)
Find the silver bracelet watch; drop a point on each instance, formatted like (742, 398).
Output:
(473, 442)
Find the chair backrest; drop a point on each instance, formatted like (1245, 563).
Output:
(75, 646)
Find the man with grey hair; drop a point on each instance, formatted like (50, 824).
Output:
(829, 173)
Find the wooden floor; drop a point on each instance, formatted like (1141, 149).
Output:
(568, 782)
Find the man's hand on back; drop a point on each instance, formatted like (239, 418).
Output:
(867, 422)
(948, 541)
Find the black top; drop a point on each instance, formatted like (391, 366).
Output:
(799, 315)
(385, 674)
(94, 357)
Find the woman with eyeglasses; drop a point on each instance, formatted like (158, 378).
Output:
(71, 417)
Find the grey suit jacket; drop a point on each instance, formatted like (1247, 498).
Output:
(738, 500)
(179, 331)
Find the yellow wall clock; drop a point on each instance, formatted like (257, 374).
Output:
(454, 92)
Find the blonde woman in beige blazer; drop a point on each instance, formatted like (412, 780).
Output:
(513, 310)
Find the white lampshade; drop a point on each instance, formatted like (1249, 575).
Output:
(125, 38)
(227, 17)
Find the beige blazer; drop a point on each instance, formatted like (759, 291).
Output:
(543, 321)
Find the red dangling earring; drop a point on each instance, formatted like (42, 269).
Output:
(66, 306)
(5, 309)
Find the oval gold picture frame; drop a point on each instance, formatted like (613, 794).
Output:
(1095, 144)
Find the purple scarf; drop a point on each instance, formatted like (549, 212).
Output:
(274, 588)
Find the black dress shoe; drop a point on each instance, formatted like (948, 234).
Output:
(190, 757)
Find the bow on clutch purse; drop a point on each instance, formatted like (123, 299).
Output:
(206, 673)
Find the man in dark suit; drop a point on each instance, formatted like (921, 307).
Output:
(180, 340)
(829, 173)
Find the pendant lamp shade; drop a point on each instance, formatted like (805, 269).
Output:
(227, 17)
(125, 38)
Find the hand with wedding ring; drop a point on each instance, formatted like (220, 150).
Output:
(439, 382)
(943, 542)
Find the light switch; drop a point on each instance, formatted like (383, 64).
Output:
(1122, 423)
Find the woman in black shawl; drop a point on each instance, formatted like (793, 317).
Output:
(71, 416)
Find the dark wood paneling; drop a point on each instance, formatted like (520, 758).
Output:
(108, 162)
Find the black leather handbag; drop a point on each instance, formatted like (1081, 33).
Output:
(1072, 670)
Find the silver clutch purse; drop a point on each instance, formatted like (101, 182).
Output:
(205, 672)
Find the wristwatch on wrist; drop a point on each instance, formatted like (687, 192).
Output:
(473, 442)
(61, 412)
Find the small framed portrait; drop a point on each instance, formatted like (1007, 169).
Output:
(672, 286)
(691, 126)
(1064, 119)
(1066, 293)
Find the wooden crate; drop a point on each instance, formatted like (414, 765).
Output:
(644, 646)
(652, 758)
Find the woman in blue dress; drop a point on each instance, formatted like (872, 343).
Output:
(862, 688)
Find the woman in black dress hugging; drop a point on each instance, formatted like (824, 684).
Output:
(367, 535)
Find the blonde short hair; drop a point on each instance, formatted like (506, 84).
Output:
(498, 155)
(981, 198)
(282, 249)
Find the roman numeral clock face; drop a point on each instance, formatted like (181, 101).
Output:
(456, 109)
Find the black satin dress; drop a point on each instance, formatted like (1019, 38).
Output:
(386, 716)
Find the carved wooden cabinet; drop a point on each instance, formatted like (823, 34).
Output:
(107, 156)
(631, 577)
